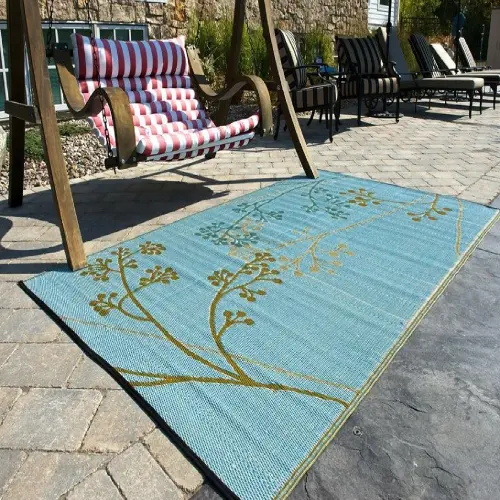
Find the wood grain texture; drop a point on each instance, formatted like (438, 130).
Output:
(42, 95)
(17, 94)
(283, 90)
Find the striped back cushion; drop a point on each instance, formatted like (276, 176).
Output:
(117, 59)
(465, 54)
(360, 53)
(423, 55)
(443, 59)
(291, 58)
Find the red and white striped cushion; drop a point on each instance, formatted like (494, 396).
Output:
(129, 59)
(170, 123)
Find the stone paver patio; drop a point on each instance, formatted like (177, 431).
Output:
(66, 428)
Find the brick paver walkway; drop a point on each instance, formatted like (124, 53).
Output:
(66, 428)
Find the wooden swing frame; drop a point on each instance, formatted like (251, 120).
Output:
(24, 25)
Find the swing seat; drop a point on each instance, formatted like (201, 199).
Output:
(151, 106)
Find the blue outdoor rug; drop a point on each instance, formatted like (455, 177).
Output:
(252, 330)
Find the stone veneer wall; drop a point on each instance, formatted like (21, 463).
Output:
(173, 17)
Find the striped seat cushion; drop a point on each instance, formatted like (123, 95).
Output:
(316, 96)
(169, 120)
(291, 59)
(371, 87)
(426, 62)
(360, 55)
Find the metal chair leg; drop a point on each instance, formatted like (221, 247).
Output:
(471, 100)
(311, 119)
(337, 115)
(398, 98)
(331, 114)
(278, 121)
(480, 101)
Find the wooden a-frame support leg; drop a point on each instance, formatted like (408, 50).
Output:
(16, 93)
(24, 18)
(283, 90)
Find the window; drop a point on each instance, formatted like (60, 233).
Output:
(62, 34)
(384, 4)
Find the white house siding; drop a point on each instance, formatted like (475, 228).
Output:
(377, 14)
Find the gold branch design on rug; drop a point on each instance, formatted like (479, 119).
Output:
(246, 282)
(363, 198)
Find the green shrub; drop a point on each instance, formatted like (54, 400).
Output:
(33, 140)
(214, 44)
(33, 144)
(317, 43)
(69, 129)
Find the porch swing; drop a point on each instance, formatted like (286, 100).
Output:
(166, 120)
(140, 100)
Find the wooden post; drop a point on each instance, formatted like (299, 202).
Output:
(16, 93)
(283, 90)
(42, 96)
(233, 62)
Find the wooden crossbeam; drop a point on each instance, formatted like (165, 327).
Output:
(23, 112)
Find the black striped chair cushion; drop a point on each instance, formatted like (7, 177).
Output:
(290, 59)
(316, 96)
(360, 55)
(370, 86)
(423, 55)
(465, 54)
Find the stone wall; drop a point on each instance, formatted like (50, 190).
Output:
(173, 16)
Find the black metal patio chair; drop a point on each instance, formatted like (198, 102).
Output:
(309, 90)
(368, 78)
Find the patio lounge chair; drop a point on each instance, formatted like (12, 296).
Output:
(467, 59)
(411, 85)
(430, 69)
(445, 62)
(367, 75)
(306, 95)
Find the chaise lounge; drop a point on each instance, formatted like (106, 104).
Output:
(446, 63)
(431, 71)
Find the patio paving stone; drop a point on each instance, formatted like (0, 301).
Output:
(8, 396)
(49, 419)
(140, 477)
(26, 325)
(35, 365)
(10, 461)
(96, 486)
(6, 350)
(87, 374)
(178, 467)
(117, 423)
(50, 475)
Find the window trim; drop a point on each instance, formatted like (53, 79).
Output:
(381, 7)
